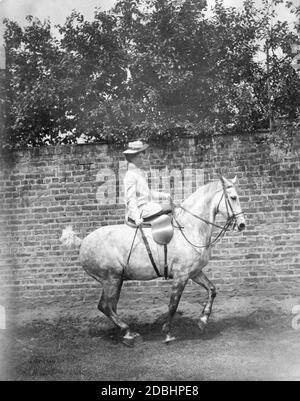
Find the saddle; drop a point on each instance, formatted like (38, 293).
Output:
(161, 228)
(162, 232)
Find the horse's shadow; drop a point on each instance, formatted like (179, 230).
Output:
(183, 328)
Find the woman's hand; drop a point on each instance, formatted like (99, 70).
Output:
(138, 221)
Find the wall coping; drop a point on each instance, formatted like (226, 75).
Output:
(67, 148)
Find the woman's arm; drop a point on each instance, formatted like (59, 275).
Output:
(156, 195)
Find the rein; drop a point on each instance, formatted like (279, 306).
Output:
(200, 218)
(221, 234)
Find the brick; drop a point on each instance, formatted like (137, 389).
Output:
(50, 188)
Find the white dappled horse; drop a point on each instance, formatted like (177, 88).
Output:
(104, 252)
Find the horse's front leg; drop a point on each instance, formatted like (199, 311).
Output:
(176, 292)
(211, 289)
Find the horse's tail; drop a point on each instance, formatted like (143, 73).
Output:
(69, 239)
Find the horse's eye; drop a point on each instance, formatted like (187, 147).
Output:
(233, 197)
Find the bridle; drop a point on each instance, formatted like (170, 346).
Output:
(231, 219)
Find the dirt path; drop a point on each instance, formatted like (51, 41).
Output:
(246, 339)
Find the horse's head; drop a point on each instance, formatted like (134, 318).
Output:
(229, 204)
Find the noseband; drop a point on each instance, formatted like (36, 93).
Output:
(231, 220)
(228, 205)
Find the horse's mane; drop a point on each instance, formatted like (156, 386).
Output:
(202, 193)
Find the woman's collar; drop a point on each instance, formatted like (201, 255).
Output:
(133, 167)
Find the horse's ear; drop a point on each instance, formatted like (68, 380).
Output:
(225, 180)
(229, 182)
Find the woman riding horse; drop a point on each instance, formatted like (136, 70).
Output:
(140, 201)
(104, 252)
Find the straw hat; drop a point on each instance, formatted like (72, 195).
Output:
(135, 147)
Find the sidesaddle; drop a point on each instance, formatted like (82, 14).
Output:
(162, 232)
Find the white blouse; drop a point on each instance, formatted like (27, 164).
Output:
(138, 196)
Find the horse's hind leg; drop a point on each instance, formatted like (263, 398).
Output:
(109, 300)
(108, 305)
(117, 297)
(177, 289)
(211, 289)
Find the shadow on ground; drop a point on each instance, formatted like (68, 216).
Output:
(184, 327)
(240, 343)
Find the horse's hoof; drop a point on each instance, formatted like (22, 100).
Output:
(203, 323)
(169, 339)
(201, 326)
(204, 319)
(128, 341)
(138, 338)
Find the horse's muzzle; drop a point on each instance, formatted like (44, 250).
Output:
(241, 226)
(241, 223)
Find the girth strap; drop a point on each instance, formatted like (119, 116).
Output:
(149, 252)
(166, 273)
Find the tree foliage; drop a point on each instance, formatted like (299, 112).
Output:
(155, 69)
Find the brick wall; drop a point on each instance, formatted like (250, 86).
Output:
(2, 103)
(43, 190)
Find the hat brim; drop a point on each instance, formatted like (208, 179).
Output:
(133, 151)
